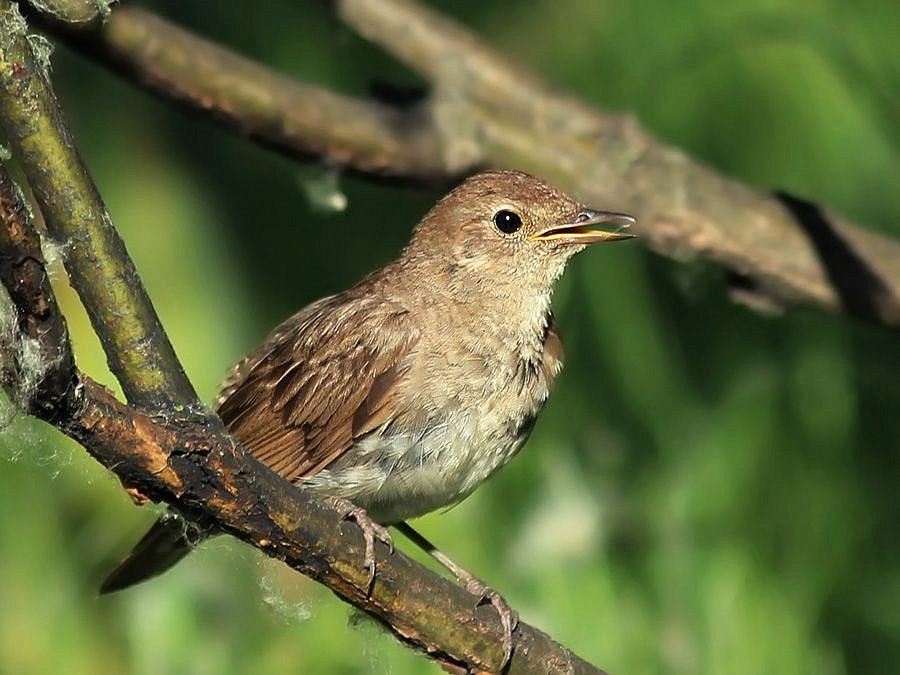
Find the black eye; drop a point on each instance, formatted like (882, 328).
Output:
(507, 221)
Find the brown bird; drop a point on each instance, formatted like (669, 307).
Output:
(404, 393)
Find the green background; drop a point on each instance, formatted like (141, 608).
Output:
(708, 491)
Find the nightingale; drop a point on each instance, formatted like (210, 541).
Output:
(406, 392)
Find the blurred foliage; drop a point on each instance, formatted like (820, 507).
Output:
(709, 491)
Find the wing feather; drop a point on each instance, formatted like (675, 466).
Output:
(326, 377)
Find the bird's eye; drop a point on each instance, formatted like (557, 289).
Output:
(507, 221)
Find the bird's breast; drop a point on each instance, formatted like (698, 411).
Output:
(457, 430)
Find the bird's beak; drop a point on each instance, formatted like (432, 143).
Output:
(589, 227)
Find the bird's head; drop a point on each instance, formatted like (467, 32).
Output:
(506, 230)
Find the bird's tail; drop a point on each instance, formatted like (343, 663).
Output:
(168, 541)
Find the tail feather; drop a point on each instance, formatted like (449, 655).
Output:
(164, 545)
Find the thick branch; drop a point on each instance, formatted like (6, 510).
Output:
(484, 110)
(39, 375)
(139, 352)
(294, 118)
(684, 209)
(202, 471)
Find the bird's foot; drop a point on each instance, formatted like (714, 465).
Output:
(370, 530)
(509, 618)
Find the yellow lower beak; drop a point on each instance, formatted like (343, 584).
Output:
(589, 227)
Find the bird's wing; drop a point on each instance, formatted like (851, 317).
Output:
(323, 379)
(553, 354)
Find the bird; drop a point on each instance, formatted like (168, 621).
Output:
(404, 393)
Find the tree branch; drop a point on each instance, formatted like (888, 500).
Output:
(204, 472)
(684, 209)
(40, 374)
(139, 352)
(483, 110)
(294, 118)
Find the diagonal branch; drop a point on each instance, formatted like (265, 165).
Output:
(40, 373)
(297, 119)
(139, 352)
(483, 110)
(202, 471)
(684, 209)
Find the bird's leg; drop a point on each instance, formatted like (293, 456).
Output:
(370, 530)
(508, 616)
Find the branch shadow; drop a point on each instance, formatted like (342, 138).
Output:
(862, 292)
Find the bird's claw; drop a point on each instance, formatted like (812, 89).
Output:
(509, 618)
(370, 530)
